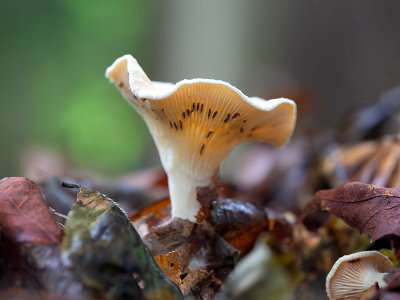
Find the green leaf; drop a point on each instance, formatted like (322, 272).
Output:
(108, 255)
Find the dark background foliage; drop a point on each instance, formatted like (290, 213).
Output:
(328, 56)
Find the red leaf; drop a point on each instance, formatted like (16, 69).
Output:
(370, 209)
(24, 217)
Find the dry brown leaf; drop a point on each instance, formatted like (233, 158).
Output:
(161, 208)
(201, 284)
(169, 264)
(239, 223)
(370, 209)
(200, 250)
(24, 217)
(147, 218)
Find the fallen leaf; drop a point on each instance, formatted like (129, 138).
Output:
(239, 223)
(169, 264)
(160, 208)
(201, 284)
(107, 254)
(24, 217)
(371, 210)
(202, 253)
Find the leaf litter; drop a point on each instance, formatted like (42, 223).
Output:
(100, 255)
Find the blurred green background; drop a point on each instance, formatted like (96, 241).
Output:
(53, 93)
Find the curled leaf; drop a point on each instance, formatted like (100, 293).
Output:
(371, 210)
(24, 217)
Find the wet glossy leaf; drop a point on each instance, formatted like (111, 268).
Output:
(147, 218)
(239, 223)
(370, 209)
(107, 253)
(24, 217)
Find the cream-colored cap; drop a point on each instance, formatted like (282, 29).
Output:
(196, 123)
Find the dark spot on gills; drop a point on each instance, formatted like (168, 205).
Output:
(202, 149)
(235, 116)
(227, 118)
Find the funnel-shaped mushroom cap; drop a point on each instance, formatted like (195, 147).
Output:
(355, 273)
(196, 123)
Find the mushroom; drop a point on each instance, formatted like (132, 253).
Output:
(196, 123)
(352, 274)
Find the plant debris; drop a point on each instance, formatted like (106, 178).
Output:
(202, 253)
(372, 210)
(253, 238)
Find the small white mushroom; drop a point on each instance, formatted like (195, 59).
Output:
(357, 272)
(196, 123)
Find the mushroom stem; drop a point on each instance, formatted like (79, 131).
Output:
(182, 191)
